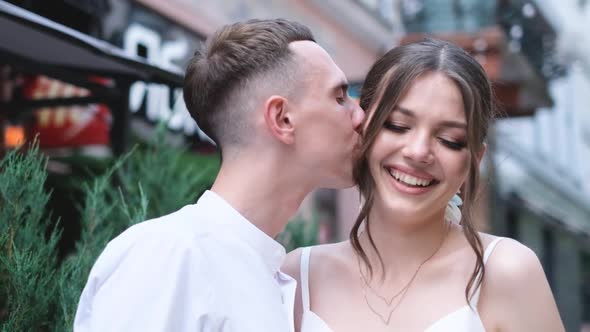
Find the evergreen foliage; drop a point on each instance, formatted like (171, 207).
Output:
(27, 260)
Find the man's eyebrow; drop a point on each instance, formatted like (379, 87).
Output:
(448, 124)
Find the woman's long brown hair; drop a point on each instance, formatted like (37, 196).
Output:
(385, 84)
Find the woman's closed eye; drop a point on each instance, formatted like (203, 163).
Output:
(400, 128)
(396, 127)
(453, 145)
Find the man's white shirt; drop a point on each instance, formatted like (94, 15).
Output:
(202, 268)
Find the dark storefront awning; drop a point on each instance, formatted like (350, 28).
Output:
(35, 45)
(30, 39)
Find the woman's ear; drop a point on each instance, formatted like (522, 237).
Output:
(278, 119)
(369, 114)
(481, 153)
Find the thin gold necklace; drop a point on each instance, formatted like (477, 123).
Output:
(387, 318)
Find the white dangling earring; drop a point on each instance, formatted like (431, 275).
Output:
(453, 212)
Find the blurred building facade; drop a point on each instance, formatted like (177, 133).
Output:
(166, 33)
(543, 163)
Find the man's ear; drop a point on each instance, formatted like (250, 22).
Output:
(278, 119)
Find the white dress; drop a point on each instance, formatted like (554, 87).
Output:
(464, 319)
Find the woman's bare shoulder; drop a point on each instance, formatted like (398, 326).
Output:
(517, 294)
(514, 275)
(322, 257)
(511, 263)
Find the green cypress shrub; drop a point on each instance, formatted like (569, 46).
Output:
(27, 253)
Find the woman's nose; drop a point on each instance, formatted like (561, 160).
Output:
(418, 149)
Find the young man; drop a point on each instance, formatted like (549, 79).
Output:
(277, 107)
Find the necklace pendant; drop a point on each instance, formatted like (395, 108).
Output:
(386, 317)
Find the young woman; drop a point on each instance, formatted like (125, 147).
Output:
(414, 261)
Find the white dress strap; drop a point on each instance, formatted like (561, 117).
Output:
(304, 271)
(490, 249)
(486, 255)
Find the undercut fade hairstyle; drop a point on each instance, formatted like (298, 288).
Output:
(237, 63)
(386, 83)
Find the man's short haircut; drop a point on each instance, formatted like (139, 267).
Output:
(236, 63)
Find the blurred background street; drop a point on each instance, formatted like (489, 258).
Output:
(91, 79)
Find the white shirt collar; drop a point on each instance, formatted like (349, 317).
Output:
(272, 252)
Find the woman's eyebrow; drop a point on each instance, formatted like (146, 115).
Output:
(454, 124)
(447, 124)
(404, 111)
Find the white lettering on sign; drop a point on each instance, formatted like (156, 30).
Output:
(157, 96)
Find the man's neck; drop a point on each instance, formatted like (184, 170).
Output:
(262, 191)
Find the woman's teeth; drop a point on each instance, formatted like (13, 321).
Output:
(409, 180)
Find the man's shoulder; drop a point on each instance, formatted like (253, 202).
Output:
(179, 233)
(177, 227)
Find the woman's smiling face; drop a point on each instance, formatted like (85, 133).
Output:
(420, 159)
